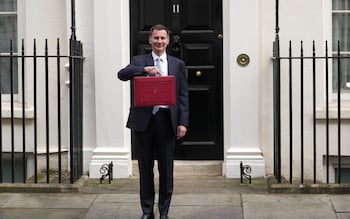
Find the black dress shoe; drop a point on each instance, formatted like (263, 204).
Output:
(164, 216)
(147, 216)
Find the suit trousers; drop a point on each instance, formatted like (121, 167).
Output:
(156, 142)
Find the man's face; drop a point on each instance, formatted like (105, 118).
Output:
(159, 40)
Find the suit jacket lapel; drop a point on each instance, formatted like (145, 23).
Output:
(171, 67)
(149, 60)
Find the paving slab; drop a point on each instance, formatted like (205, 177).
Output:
(104, 210)
(5, 198)
(118, 198)
(50, 200)
(343, 215)
(205, 199)
(35, 213)
(206, 212)
(287, 206)
(341, 203)
(206, 206)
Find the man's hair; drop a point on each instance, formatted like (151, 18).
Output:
(159, 27)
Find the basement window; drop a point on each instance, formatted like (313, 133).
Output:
(344, 173)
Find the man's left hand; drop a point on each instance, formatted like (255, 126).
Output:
(181, 131)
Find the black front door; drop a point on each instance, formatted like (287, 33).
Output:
(196, 38)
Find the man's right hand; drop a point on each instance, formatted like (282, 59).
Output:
(151, 70)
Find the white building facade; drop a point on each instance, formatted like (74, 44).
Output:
(103, 26)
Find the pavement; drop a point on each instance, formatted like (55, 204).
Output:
(194, 197)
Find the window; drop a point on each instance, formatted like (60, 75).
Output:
(18, 167)
(341, 33)
(344, 173)
(8, 32)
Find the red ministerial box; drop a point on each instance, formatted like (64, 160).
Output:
(150, 91)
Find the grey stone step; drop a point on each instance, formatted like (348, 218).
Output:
(189, 168)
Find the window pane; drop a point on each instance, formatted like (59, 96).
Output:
(8, 5)
(7, 174)
(341, 5)
(5, 71)
(341, 31)
(345, 75)
(8, 31)
(344, 175)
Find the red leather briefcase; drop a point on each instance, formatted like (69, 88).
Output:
(150, 91)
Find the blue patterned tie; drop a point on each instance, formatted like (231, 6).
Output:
(158, 60)
(159, 66)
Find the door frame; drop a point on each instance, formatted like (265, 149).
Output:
(210, 148)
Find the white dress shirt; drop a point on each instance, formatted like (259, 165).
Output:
(163, 66)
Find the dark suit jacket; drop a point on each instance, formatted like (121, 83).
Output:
(140, 117)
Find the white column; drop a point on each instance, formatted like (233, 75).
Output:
(241, 88)
(111, 39)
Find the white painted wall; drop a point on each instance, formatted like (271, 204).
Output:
(46, 20)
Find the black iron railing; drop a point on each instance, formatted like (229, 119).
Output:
(48, 65)
(76, 109)
(293, 68)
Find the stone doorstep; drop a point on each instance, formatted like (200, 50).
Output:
(188, 168)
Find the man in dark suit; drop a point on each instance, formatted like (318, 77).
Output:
(156, 128)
